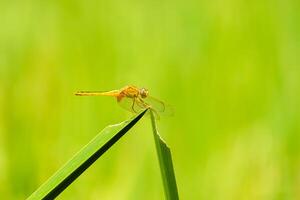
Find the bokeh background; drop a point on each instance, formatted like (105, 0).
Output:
(230, 69)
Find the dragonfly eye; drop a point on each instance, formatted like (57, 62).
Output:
(144, 92)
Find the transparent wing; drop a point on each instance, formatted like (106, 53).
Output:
(132, 104)
(158, 106)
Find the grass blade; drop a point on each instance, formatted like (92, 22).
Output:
(165, 163)
(83, 159)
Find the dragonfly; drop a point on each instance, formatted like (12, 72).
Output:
(133, 99)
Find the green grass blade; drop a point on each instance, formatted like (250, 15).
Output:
(83, 159)
(165, 163)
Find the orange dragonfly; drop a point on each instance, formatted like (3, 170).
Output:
(133, 99)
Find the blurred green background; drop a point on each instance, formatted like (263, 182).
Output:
(231, 70)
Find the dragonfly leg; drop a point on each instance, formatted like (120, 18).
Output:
(152, 109)
(133, 105)
(144, 104)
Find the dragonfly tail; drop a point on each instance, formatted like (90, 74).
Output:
(113, 93)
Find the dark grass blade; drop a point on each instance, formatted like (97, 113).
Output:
(165, 163)
(83, 159)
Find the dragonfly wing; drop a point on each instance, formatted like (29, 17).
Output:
(158, 105)
(131, 104)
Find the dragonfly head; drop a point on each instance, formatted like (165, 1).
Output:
(144, 92)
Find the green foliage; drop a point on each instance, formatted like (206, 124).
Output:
(98, 146)
(165, 163)
(230, 69)
(83, 159)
